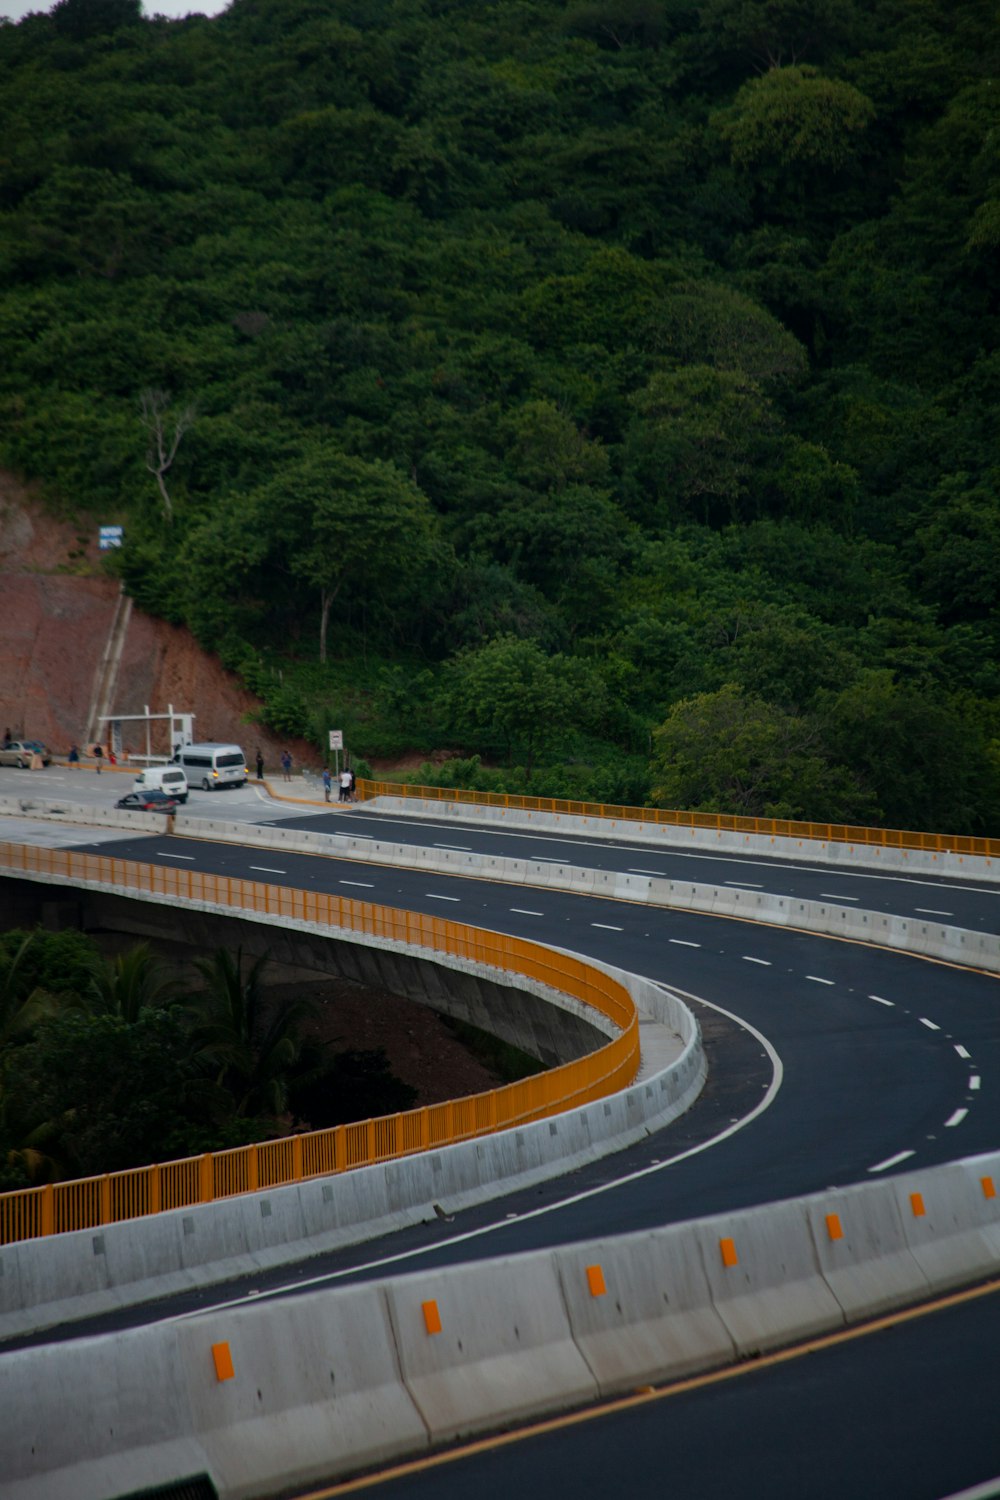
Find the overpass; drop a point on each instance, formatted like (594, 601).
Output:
(749, 1273)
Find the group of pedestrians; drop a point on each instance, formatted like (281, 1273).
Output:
(345, 784)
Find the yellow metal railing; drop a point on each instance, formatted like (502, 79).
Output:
(829, 833)
(89, 1202)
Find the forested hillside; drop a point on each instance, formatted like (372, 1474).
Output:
(607, 390)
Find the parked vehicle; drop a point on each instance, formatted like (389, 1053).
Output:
(210, 765)
(169, 779)
(151, 801)
(19, 753)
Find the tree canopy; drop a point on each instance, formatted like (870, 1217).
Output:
(569, 366)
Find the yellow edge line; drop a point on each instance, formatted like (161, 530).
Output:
(643, 1396)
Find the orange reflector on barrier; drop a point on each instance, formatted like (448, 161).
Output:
(727, 1249)
(223, 1362)
(917, 1204)
(595, 1280)
(834, 1228)
(986, 1183)
(432, 1318)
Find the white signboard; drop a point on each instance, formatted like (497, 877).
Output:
(336, 739)
(110, 536)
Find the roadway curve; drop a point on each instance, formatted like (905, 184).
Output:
(880, 1054)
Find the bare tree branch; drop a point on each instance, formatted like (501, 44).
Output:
(156, 418)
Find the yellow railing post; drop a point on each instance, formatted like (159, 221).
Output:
(206, 1178)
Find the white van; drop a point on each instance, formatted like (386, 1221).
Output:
(210, 766)
(169, 779)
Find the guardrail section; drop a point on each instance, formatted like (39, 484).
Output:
(87, 1203)
(831, 833)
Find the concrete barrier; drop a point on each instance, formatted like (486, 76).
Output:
(287, 1392)
(765, 1280)
(484, 1345)
(704, 840)
(641, 1308)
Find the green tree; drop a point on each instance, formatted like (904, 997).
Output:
(732, 752)
(250, 1045)
(130, 983)
(352, 524)
(509, 696)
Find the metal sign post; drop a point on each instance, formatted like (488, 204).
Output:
(336, 745)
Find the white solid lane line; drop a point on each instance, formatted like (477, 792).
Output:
(931, 1025)
(961, 1050)
(892, 1161)
(766, 962)
(956, 1118)
(974, 1081)
(878, 999)
(268, 870)
(522, 911)
(816, 979)
(683, 943)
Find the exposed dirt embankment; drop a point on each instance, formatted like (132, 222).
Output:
(58, 607)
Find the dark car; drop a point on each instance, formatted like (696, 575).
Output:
(149, 801)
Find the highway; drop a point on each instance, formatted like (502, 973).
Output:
(831, 1062)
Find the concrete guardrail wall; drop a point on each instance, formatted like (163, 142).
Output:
(292, 1392)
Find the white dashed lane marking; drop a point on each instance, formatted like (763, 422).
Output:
(829, 896)
(746, 885)
(974, 1081)
(459, 848)
(956, 1118)
(683, 943)
(892, 1161)
(930, 911)
(268, 870)
(607, 927)
(433, 896)
(169, 854)
(817, 980)
(522, 911)
(961, 1050)
(931, 1025)
(367, 884)
(879, 1001)
(747, 959)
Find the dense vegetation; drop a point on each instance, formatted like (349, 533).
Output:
(606, 389)
(108, 1063)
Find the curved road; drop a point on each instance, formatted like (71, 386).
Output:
(884, 1062)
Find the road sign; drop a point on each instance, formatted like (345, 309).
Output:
(110, 536)
(336, 739)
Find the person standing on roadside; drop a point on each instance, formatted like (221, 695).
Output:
(350, 789)
(99, 758)
(327, 782)
(345, 785)
(286, 766)
(260, 766)
(74, 756)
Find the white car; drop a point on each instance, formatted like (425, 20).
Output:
(19, 753)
